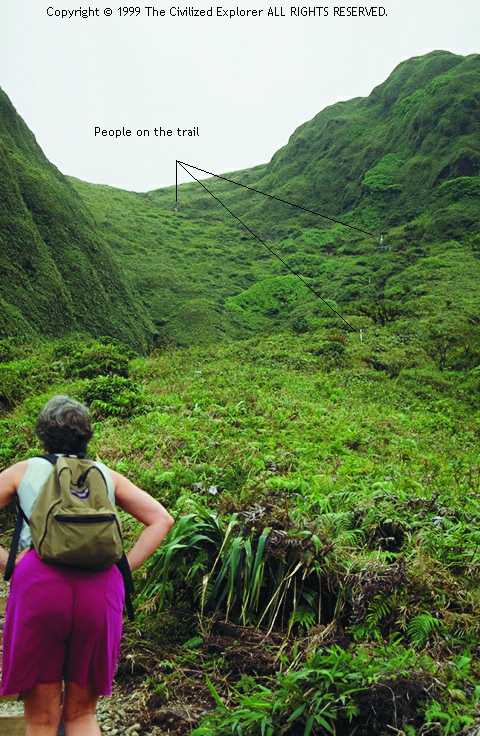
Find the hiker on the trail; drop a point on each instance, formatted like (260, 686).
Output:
(72, 578)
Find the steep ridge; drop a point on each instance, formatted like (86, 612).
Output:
(405, 160)
(56, 272)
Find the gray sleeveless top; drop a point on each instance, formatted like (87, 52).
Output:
(34, 477)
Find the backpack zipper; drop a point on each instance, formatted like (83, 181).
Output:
(82, 519)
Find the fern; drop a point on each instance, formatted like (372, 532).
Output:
(421, 627)
(380, 607)
(303, 617)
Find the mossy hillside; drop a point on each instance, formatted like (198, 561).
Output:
(182, 268)
(421, 125)
(403, 160)
(203, 279)
(57, 274)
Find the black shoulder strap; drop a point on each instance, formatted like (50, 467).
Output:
(51, 458)
(15, 540)
(124, 568)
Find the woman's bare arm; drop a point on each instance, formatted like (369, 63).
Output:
(146, 509)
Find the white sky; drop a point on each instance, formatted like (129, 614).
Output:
(247, 83)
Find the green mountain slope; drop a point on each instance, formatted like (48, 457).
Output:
(405, 161)
(377, 160)
(56, 273)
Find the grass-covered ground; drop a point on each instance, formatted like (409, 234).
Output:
(323, 572)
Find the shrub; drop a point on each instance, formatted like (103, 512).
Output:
(426, 382)
(98, 359)
(119, 345)
(16, 441)
(383, 175)
(67, 346)
(470, 386)
(332, 691)
(333, 353)
(300, 325)
(114, 396)
(391, 361)
(461, 186)
(20, 378)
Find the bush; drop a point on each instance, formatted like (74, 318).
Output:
(392, 361)
(300, 325)
(427, 382)
(470, 386)
(383, 176)
(114, 396)
(119, 345)
(333, 691)
(20, 378)
(98, 359)
(67, 346)
(333, 353)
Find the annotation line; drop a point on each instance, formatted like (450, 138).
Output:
(279, 199)
(260, 240)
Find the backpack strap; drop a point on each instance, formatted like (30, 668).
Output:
(124, 568)
(51, 458)
(15, 540)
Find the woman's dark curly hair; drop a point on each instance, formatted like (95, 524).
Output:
(64, 427)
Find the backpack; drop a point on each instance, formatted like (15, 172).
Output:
(74, 523)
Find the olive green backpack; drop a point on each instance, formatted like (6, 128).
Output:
(74, 523)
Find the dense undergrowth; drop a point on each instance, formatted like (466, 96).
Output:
(326, 511)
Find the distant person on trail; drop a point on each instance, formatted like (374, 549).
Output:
(64, 621)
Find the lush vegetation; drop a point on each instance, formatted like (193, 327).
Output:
(405, 161)
(326, 501)
(323, 573)
(56, 272)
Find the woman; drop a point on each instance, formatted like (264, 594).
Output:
(65, 624)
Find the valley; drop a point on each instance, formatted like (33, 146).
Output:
(323, 573)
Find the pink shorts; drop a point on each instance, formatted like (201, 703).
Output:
(61, 624)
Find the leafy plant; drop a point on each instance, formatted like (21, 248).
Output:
(232, 572)
(314, 697)
(98, 359)
(114, 396)
(421, 627)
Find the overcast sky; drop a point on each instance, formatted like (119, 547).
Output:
(247, 83)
